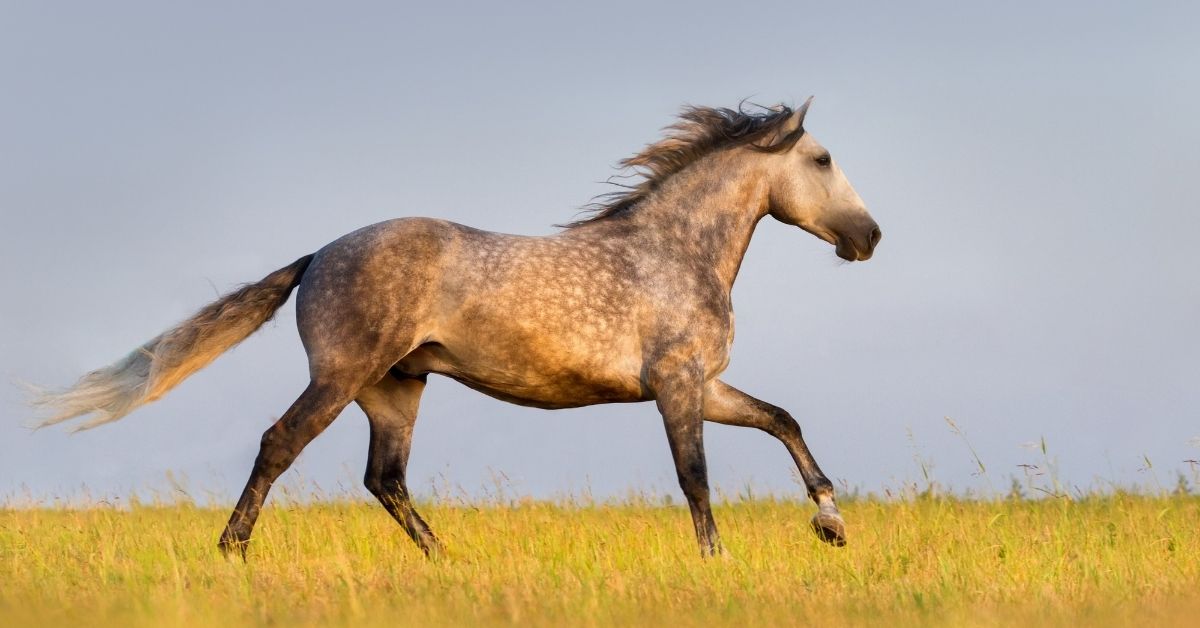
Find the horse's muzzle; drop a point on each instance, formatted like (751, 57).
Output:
(861, 245)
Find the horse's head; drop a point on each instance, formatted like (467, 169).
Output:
(808, 189)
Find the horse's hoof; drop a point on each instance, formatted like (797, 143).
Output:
(830, 528)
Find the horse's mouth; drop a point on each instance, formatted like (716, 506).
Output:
(847, 247)
(847, 250)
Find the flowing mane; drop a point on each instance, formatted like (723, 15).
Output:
(698, 132)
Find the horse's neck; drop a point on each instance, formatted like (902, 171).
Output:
(707, 212)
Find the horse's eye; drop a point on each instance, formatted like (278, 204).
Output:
(824, 160)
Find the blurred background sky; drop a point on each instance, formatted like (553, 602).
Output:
(1033, 167)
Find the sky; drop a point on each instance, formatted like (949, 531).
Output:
(1033, 167)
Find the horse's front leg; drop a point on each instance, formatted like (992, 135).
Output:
(678, 390)
(725, 404)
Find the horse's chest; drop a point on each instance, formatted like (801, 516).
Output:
(701, 327)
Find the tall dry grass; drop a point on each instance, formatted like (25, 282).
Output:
(1118, 559)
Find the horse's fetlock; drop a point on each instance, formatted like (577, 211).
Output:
(821, 490)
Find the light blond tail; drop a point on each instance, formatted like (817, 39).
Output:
(156, 367)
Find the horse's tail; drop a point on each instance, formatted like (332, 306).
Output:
(156, 367)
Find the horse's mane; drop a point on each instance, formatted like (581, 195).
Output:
(698, 132)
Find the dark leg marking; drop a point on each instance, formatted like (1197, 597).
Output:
(679, 400)
(391, 407)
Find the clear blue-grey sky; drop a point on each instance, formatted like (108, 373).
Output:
(1033, 167)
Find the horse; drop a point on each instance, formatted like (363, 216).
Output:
(629, 303)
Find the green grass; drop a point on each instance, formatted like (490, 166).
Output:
(1098, 560)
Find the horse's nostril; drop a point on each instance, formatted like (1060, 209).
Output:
(876, 235)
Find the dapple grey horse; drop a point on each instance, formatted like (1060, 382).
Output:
(630, 304)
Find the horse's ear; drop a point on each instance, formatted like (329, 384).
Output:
(798, 116)
(786, 134)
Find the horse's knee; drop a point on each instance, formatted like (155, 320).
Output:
(783, 424)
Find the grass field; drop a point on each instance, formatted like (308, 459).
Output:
(1112, 560)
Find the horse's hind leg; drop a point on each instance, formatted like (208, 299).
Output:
(391, 407)
(311, 413)
(725, 404)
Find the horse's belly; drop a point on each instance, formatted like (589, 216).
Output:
(531, 376)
